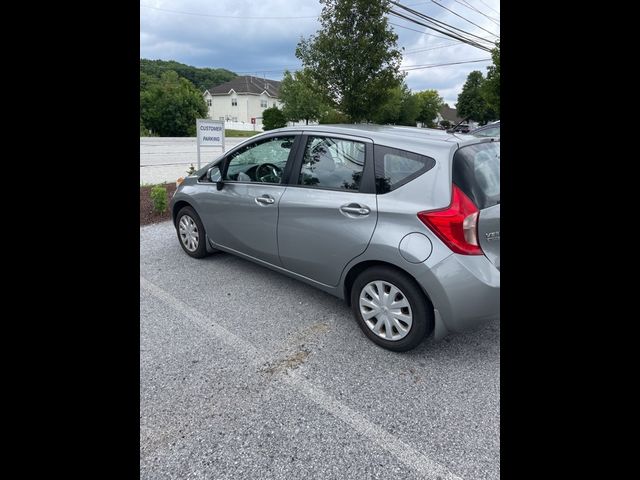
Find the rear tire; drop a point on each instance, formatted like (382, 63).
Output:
(191, 233)
(399, 316)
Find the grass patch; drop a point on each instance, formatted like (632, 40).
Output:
(240, 133)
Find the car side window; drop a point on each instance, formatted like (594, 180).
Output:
(262, 162)
(489, 132)
(332, 163)
(395, 167)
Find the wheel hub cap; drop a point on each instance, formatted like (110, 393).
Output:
(189, 233)
(386, 310)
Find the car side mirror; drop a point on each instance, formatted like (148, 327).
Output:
(215, 176)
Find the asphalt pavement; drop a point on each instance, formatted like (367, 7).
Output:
(246, 373)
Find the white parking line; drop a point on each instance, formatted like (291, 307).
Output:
(404, 453)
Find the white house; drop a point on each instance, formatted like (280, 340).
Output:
(241, 99)
(451, 114)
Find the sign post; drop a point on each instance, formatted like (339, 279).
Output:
(210, 134)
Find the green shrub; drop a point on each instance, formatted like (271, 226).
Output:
(159, 197)
(273, 118)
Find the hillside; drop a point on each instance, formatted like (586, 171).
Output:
(202, 78)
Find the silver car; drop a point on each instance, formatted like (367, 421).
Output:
(402, 223)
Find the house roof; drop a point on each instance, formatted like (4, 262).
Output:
(248, 84)
(450, 114)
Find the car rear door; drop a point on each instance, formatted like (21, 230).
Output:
(328, 212)
(243, 215)
(476, 170)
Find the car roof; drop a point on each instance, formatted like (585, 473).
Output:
(420, 140)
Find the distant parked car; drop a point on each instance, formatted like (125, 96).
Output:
(489, 130)
(463, 128)
(403, 223)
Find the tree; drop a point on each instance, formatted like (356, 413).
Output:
(389, 111)
(202, 78)
(171, 106)
(146, 81)
(400, 107)
(331, 116)
(300, 97)
(491, 88)
(472, 102)
(273, 118)
(353, 58)
(429, 105)
(409, 109)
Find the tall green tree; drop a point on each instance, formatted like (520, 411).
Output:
(354, 57)
(389, 111)
(171, 106)
(273, 118)
(300, 97)
(491, 88)
(400, 108)
(409, 108)
(429, 105)
(472, 102)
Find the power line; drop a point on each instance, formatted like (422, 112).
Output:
(449, 33)
(471, 7)
(465, 19)
(489, 6)
(415, 30)
(226, 16)
(437, 22)
(432, 48)
(257, 70)
(434, 65)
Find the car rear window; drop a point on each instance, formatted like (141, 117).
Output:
(476, 171)
(395, 167)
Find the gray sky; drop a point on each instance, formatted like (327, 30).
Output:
(208, 34)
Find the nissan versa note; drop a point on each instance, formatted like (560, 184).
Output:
(403, 223)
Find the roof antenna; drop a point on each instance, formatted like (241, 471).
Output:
(453, 129)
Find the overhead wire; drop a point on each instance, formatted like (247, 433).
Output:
(449, 33)
(465, 19)
(472, 8)
(439, 23)
(420, 67)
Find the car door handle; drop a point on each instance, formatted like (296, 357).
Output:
(265, 200)
(355, 209)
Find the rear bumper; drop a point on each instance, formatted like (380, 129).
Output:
(464, 290)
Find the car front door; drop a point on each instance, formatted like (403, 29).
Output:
(243, 214)
(328, 212)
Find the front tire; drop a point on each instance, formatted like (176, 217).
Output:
(391, 309)
(191, 234)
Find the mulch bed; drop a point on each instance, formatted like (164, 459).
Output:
(147, 213)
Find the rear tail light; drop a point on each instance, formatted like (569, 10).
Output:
(456, 225)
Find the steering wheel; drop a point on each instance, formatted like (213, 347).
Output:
(268, 172)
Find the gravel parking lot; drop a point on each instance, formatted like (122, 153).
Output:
(245, 373)
(164, 159)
